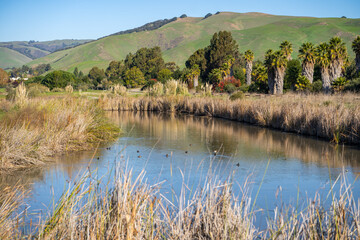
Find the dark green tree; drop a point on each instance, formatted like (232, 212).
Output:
(222, 46)
(293, 70)
(58, 79)
(198, 58)
(96, 75)
(148, 60)
(115, 71)
(134, 77)
(76, 72)
(356, 48)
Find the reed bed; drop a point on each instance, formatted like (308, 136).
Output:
(33, 132)
(134, 209)
(333, 117)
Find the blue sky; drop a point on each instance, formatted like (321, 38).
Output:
(42, 20)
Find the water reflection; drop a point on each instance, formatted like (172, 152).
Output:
(232, 138)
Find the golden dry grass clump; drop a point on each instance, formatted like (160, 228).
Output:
(132, 209)
(44, 127)
(334, 117)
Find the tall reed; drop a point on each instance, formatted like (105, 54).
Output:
(336, 118)
(133, 209)
(44, 127)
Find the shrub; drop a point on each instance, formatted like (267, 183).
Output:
(69, 89)
(58, 79)
(118, 90)
(338, 84)
(182, 89)
(157, 89)
(353, 85)
(221, 87)
(20, 94)
(35, 89)
(230, 88)
(244, 88)
(302, 83)
(171, 87)
(57, 90)
(237, 95)
(316, 86)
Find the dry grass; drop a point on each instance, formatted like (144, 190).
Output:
(10, 200)
(133, 209)
(30, 134)
(336, 117)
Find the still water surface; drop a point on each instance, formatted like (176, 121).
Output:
(174, 149)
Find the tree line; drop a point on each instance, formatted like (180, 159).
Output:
(323, 67)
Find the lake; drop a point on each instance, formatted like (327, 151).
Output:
(177, 149)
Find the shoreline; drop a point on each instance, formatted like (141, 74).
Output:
(334, 118)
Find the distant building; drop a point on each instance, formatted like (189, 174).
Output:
(18, 79)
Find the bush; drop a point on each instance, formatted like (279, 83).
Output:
(222, 86)
(302, 84)
(36, 89)
(338, 84)
(353, 85)
(118, 90)
(230, 88)
(69, 89)
(237, 95)
(316, 86)
(57, 90)
(58, 79)
(157, 89)
(182, 89)
(244, 88)
(173, 87)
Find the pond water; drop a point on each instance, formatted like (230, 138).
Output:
(174, 149)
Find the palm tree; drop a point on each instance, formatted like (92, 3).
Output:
(270, 71)
(338, 55)
(286, 48)
(307, 55)
(356, 49)
(323, 58)
(276, 63)
(279, 64)
(249, 57)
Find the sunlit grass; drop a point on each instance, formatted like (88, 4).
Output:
(42, 127)
(333, 117)
(130, 208)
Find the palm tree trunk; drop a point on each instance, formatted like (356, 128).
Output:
(308, 71)
(335, 70)
(248, 72)
(325, 77)
(279, 80)
(196, 81)
(357, 62)
(271, 81)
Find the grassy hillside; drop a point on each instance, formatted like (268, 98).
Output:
(23, 51)
(179, 39)
(11, 58)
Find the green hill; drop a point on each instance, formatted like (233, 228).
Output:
(17, 53)
(11, 58)
(180, 38)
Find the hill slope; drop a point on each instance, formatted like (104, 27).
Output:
(11, 58)
(180, 38)
(22, 52)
